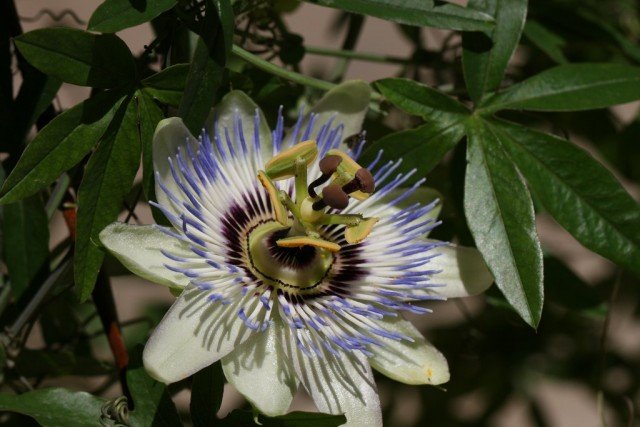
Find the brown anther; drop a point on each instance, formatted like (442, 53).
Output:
(329, 164)
(367, 185)
(334, 196)
(363, 181)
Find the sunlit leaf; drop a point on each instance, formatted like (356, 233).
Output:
(579, 192)
(570, 87)
(500, 214)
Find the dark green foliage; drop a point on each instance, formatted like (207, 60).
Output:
(79, 57)
(106, 182)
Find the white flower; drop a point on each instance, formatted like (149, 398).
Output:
(315, 309)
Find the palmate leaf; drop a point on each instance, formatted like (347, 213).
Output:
(116, 15)
(579, 192)
(422, 13)
(500, 214)
(570, 87)
(79, 57)
(106, 182)
(485, 58)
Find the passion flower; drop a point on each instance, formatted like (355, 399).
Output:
(294, 263)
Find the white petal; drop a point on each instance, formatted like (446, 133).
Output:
(348, 103)
(192, 335)
(170, 134)
(237, 102)
(464, 272)
(338, 385)
(259, 370)
(138, 249)
(416, 362)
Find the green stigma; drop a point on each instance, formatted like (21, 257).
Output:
(345, 179)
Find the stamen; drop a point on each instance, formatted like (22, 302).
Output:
(334, 196)
(328, 167)
(363, 181)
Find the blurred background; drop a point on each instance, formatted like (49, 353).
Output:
(580, 368)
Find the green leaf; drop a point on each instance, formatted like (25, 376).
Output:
(421, 13)
(151, 399)
(79, 57)
(149, 114)
(485, 58)
(501, 218)
(570, 87)
(421, 148)
(116, 15)
(579, 192)
(205, 76)
(206, 395)
(168, 85)
(107, 181)
(546, 40)
(419, 99)
(25, 237)
(55, 407)
(59, 146)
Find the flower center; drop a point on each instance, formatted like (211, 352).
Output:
(292, 269)
(311, 210)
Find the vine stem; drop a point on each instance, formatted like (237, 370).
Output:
(272, 68)
(279, 71)
(362, 56)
